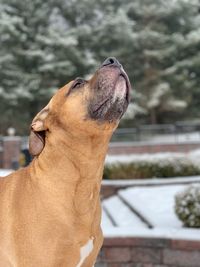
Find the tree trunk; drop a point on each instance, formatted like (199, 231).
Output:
(153, 116)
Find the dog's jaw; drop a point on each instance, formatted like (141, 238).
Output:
(111, 95)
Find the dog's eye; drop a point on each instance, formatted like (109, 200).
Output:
(78, 82)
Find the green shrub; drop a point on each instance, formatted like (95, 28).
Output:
(187, 206)
(150, 169)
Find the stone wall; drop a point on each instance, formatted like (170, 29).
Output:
(148, 252)
(11, 152)
(140, 148)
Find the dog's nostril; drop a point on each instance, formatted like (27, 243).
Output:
(111, 61)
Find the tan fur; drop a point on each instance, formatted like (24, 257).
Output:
(50, 209)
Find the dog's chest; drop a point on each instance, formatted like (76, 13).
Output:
(86, 197)
(85, 251)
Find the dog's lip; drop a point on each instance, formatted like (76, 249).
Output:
(120, 73)
(128, 86)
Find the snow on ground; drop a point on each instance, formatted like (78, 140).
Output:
(110, 159)
(105, 223)
(181, 138)
(153, 138)
(4, 172)
(193, 156)
(154, 204)
(121, 213)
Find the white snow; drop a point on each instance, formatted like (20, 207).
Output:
(178, 138)
(105, 223)
(122, 215)
(193, 156)
(4, 172)
(155, 204)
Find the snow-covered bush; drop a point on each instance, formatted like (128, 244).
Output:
(138, 170)
(160, 165)
(187, 206)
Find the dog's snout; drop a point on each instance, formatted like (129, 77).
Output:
(111, 61)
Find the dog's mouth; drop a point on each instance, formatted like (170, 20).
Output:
(111, 93)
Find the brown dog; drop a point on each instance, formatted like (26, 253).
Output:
(50, 211)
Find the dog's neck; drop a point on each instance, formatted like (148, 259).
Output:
(71, 163)
(73, 152)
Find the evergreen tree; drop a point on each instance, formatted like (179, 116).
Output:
(184, 73)
(22, 84)
(44, 44)
(156, 22)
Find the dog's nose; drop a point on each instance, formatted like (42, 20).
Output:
(111, 61)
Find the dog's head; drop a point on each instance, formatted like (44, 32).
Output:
(85, 107)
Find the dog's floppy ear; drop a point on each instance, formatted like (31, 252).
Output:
(37, 134)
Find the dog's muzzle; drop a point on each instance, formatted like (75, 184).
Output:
(111, 92)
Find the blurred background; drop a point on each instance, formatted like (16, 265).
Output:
(45, 44)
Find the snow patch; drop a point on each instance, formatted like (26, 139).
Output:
(121, 213)
(5, 172)
(156, 204)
